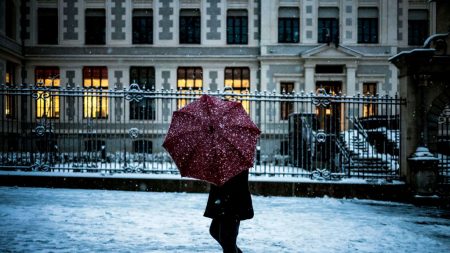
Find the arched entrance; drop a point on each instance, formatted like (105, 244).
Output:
(438, 125)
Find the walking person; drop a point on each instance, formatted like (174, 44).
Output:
(227, 205)
(221, 153)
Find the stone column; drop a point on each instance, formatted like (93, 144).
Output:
(310, 85)
(351, 80)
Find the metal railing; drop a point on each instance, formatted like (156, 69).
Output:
(76, 130)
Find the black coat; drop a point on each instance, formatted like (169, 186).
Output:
(232, 199)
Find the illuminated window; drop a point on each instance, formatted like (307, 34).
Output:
(95, 102)
(47, 104)
(238, 78)
(10, 100)
(369, 90)
(145, 78)
(189, 78)
(286, 107)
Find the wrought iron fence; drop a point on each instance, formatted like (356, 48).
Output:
(76, 130)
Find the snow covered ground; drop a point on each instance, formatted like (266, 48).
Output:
(68, 220)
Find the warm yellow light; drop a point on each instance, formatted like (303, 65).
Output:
(228, 83)
(9, 105)
(198, 83)
(190, 83)
(104, 83)
(96, 83)
(7, 78)
(48, 82)
(328, 111)
(95, 106)
(181, 83)
(47, 105)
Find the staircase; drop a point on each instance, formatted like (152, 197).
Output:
(363, 160)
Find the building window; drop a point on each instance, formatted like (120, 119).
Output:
(10, 100)
(95, 23)
(286, 107)
(143, 146)
(369, 91)
(94, 145)
(49, 144)
(47, 103)
(367, 25)
(95, 101)
(288, 25)
(238, 78)
(328, 25)
(190, 26)
(10, 20)
(417, 27)
(188, 79)
(142, 26)
(237, 27)
(47, 26)
(145, 78)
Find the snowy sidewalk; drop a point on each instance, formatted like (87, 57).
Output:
(67, 220)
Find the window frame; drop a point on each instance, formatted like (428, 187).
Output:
(184, 83)
(237, 32)
(334, 30)
(47, 28)
(240, 83)
(368, 25)
(142, 26)
(88, 106)
(139, 110)
(370, 37)
(47, 77)
(95, 26)
(189, 26)
(417, 32)
(418, 26)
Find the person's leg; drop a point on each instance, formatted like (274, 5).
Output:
(225, 231)
(214, 229)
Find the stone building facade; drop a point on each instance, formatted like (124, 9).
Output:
(348, 59)
(342, 46)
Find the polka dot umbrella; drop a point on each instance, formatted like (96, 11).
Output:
(212, 140)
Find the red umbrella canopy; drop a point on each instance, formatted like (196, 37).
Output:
(212, 140)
